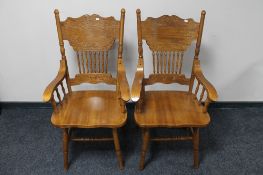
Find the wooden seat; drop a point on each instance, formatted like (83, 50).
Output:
(92, 38)
(90, 109)
(169, 37)
(171, 109)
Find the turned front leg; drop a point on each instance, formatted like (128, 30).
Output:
(145, 143)
(196, 147)
(117, 147)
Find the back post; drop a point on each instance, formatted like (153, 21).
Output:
(121, 33)
(62, 48)
(139, 106)
(120, 61)
(197, 48)
(200, 33)
(60, 38)
(139, 33)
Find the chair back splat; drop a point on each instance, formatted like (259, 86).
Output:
(91, 37)
(168, 37)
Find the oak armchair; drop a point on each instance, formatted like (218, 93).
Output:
(168, 37)
(91, 37)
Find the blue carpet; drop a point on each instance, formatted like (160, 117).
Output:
(232, 144)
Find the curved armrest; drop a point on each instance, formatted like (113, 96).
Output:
(47, 95)
(123, 83)
(211, 91)
(137, 82)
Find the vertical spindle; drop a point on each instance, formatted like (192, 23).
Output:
(202, 95)
(91, 66)
(161, 62)
(165, 62)
(177, 62)
(99, 60)
(181, 62)
(153, 62)
(87, 62)
(106, 61)
(169, 58)
(95, 62)
(173, 62)
(158, 61)
(197, 87)
(83, 63)
(78, 62)
(58, 95)
(103, 68)
(63, 89)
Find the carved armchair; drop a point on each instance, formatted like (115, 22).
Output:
(168, 37)
(91, 37)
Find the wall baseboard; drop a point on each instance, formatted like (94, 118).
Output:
(25, 105)
(236, 104)
(220, 104)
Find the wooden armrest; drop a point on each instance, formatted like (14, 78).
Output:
(47, 95)
(137, 82)
(123, 83)
(211, 91)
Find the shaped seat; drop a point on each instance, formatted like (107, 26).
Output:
(169, 37)
(92, 37)
(171, 109)
(90, 109)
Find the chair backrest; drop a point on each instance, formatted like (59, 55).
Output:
(91, 37)
(168, 37)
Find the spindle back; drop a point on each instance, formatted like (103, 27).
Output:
(91, 37)
(168, 37)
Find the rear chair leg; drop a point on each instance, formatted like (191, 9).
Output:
(196, 147)
(145, 143)
(65, 147)
(117, 148)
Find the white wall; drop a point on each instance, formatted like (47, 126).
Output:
(231, 53)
